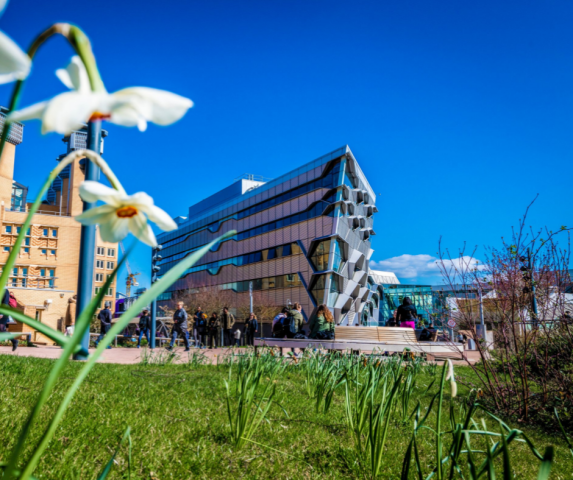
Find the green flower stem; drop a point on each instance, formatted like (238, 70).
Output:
(92, 156)
(156, 289)
(82, 45)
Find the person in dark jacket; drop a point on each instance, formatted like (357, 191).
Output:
(407, 314)
(179, 327)
(104, 316)
(201, 326)
(227, 321)
(251, 328)
(213, 330)
(144, 327)
(5, 319)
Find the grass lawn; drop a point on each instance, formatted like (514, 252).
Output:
(180, 429)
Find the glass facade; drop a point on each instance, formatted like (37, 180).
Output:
(281, 281)
(421, 296)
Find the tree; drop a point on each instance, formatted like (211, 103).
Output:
(523, 283)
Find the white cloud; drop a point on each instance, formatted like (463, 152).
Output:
(414, 266)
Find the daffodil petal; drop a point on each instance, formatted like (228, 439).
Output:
(14, 63)
(161, 218)
(157, 106)
(139, 227)
(97, 215)
(69, 111)
(114, 230)
(91, 191)
(75, 76)
(141, 200)
(32, 112)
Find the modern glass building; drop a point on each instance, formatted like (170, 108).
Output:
(421, 296)
(303, 237)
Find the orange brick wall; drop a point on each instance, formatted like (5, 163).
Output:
(50, 297)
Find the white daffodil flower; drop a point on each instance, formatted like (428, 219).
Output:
(122, 214)
(14, 62)
(451, 378)
(129, 107)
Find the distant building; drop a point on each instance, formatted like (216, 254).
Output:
(386, 278)
(303, 237)
(44, 279)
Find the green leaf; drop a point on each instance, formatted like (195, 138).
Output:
(546, 464)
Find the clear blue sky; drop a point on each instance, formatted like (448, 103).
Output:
(459, 113)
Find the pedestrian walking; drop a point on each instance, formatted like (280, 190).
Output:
(251, 328)
(104, 316)
(227, 320)
(144, 327)
(407, 314)
(213, 329)
(5, 320)
(179, 327)
(237, 338)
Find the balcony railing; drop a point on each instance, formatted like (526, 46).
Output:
(39, 212)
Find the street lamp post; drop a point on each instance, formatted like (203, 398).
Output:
(88, 240)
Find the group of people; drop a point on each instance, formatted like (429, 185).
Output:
(289, 323)
(206, 330)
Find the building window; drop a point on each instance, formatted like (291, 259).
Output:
(54, 233)
(100, 251)
(99, 277)
(111, 252)
(52, 273)
(45, 232)
(321, 255)
(24, 282)
(18, 229)
(99, 263)
(51, 283)
(97, 289)
(27, 241)
(44, 251)
(26, 249)
(28, 231)
(110, 265)
(6, 249)
(24, 272)
(8, 229)
(109, 292)
(52, 252)
(42, 272)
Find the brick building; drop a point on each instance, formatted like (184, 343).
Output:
(45, 276)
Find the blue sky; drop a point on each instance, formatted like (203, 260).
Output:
(459, 113)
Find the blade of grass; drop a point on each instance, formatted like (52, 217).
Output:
(105, 472)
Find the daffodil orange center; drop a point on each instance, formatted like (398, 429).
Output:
(99, 116)
(126, 212)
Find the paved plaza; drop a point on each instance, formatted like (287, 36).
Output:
(131, 356)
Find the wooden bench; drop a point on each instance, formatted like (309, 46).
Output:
(382, 339)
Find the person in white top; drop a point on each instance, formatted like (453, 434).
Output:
(237, 335)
